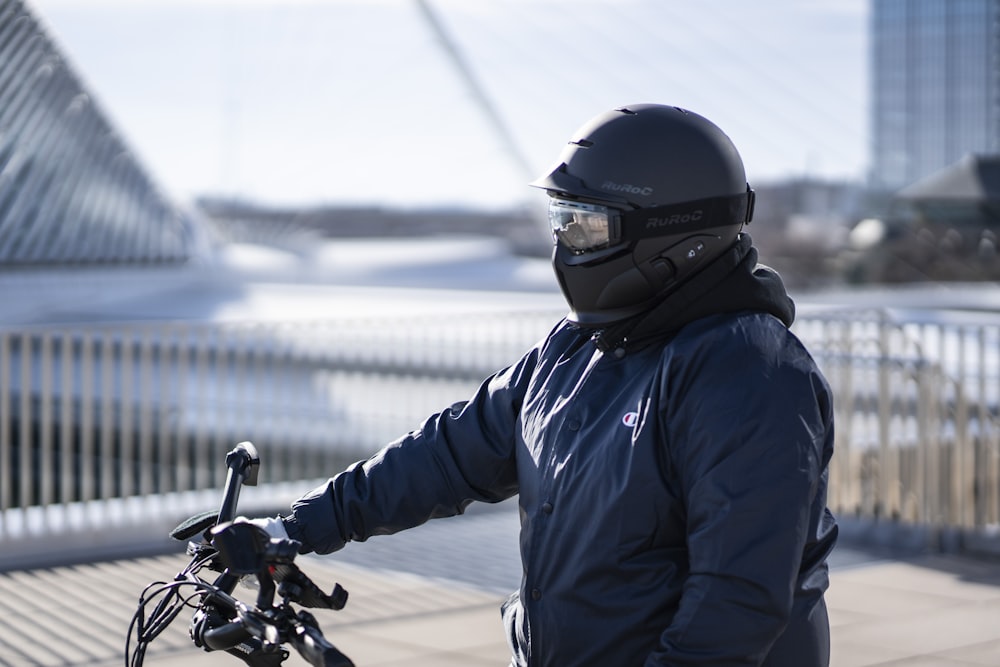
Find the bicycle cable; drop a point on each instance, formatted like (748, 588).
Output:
(146, 628)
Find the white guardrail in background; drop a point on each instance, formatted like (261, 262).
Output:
(96, 415)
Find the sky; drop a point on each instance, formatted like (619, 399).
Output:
(419, 103)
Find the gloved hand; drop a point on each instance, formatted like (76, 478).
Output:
(245, 550)
(273, 526)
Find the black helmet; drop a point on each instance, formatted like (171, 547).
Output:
(641, 198)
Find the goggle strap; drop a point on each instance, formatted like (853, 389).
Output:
(687, 216)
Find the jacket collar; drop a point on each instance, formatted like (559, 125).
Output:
(732, 282)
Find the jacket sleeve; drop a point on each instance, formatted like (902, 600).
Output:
(748, 423)
(462, 454)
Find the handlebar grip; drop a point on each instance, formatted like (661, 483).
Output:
(224, 637)
(317, 651)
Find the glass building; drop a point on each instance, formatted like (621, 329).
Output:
(935, 86)
(71, 192)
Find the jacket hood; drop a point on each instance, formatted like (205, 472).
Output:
(733, 282)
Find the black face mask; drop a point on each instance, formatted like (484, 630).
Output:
(734, 281)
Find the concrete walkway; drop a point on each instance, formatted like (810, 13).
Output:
(930, 611)
(940, 611)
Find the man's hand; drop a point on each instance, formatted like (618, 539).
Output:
(273, 526)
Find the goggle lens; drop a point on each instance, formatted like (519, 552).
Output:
(580, 226)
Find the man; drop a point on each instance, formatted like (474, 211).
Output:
(668, 440)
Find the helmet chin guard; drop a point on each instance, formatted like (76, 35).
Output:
(642, 198)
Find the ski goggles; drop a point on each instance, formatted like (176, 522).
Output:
(580, 226)
(584, 227)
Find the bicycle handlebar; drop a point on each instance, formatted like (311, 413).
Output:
(253, 637)
(313, 646)
(223, 637)
(236, 548)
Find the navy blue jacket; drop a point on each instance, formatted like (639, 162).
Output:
(671, 477)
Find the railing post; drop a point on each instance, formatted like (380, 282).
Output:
(146, 454)
(961, 478)
(88, 456)
(27, 473)
(988, 463)
(933, 505)
(106, 443)
(6, 472)
(848, 479)
(67, 420)
(887, 473)
(126, 401)
(185, 429)
(242, 391)
(163, 410)
(46, 467)
(200, 455)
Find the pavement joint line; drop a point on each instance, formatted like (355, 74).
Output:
(409, 616)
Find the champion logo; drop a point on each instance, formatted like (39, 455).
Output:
(630, 419)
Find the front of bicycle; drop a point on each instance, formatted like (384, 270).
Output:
(236, 549)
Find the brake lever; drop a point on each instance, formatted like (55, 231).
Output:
(260, 626)
(296, 586)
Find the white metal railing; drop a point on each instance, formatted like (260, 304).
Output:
(918, 435)
(101, 412)
(116, 411)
